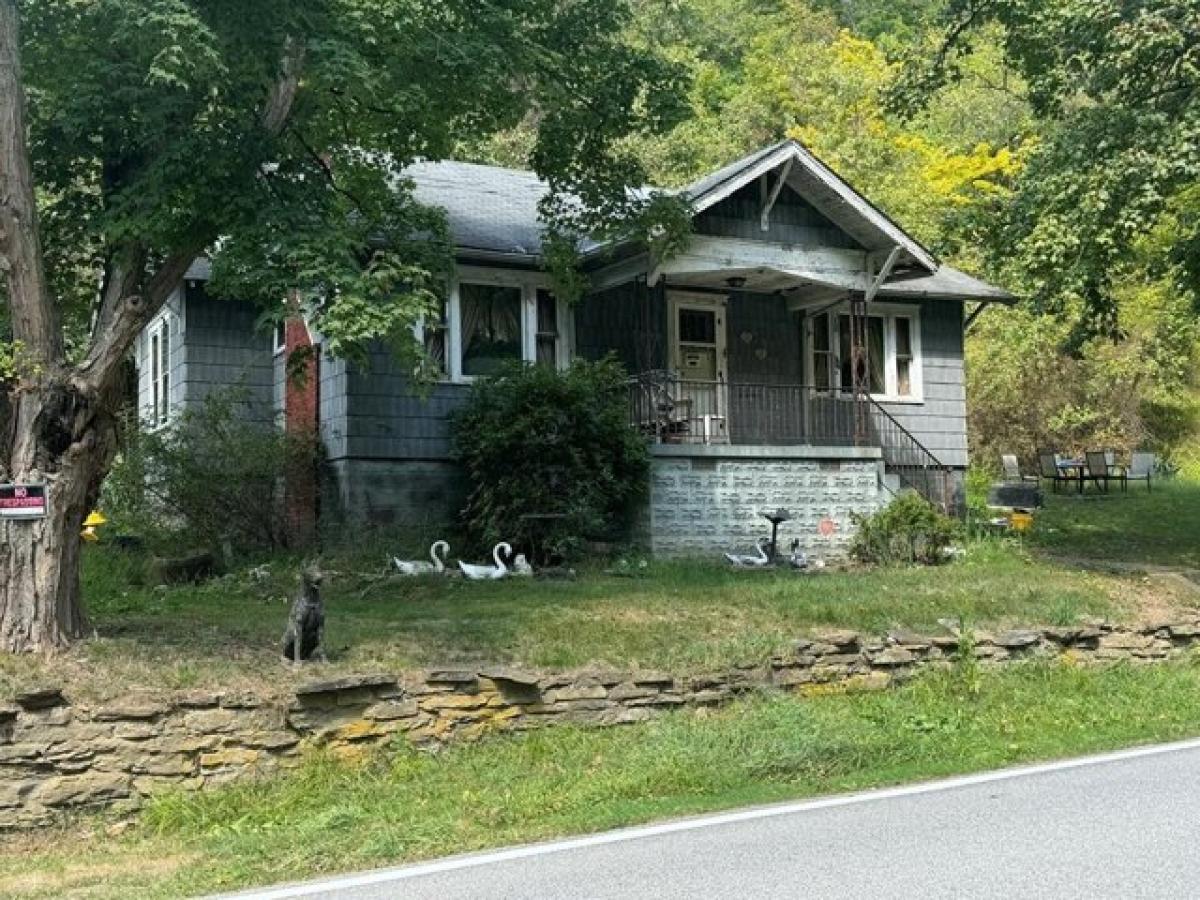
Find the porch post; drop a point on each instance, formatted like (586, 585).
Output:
(860, 368)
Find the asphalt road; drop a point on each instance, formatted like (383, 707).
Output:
(1123, 825)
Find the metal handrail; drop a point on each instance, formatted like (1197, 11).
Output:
(911, 461)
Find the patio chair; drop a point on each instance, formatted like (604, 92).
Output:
(1049, 470)
(1100, 473)
(1141, 468)
(1012, 469)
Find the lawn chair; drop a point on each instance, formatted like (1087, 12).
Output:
(1100, 473)
(1141, 468)
(1012, 469)
(1049, 470)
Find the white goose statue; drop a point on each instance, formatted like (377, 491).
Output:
(419, 566)
(486, 573)
(751, 561)
(521, 566)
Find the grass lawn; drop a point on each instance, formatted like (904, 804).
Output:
(1161, 527)
(683, 617)
(406, 805)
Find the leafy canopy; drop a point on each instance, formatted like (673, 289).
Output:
(151, 131)
(1116, 85)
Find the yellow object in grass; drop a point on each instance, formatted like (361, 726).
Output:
(90, 524)
(1020, 520)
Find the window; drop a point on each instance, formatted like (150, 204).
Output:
(893, 353)
(491, 317)
(491, 327)
(822, 352)
(548, 337)
(159, 411)
(904, 357)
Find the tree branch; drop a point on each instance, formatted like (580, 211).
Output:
(282, 94)
(125, 309)
(35, 320)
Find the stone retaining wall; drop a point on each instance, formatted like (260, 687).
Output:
(58, 756)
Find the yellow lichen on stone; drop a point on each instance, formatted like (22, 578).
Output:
(230, 756)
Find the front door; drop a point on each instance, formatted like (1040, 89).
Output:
(699, 360)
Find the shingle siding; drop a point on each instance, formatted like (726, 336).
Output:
(940, 423)
(793, 221)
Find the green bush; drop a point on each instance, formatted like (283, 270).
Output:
(909, 529)
(554, 445)
(212, 479)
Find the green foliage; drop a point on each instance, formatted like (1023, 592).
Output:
(1028, 389)
(534, 441)
(150, 132)
(908, 530)
(212, 478)
(1114, 85)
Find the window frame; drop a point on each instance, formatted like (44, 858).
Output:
(158, 367)
(529, 284)
(888, 313)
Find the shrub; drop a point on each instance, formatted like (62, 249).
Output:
(213, 478)
(537, 442)
(909, 529)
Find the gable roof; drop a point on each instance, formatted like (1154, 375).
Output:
(831, 194)
(492, 214)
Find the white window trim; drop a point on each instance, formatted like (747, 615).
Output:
(166, 321)
(529, 284)
(889, 312)
(278, 346)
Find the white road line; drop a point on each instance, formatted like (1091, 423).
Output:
(450, 864)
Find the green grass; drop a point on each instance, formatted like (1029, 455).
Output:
(683, 616)
(1161, 527)
(404, 805)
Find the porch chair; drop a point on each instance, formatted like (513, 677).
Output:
(1141, 468)
(1049, 470)
(1101, 473)
(1012, 469)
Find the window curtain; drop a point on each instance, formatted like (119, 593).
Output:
(491, 327)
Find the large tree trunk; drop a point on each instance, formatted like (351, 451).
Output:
(67, 440)
(57, 420)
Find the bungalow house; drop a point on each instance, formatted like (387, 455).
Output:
(804, 352)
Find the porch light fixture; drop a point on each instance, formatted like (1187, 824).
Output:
(735, 281)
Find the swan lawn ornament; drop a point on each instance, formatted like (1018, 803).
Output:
(797, 560)
(751, 561)
(486, 573)
(420, 567)
(522, 567)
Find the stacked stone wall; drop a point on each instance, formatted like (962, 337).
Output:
(58, 756)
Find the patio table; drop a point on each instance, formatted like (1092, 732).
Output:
(1073, 468)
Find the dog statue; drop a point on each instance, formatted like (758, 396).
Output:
(304, 638)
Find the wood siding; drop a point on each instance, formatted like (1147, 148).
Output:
(793, 221)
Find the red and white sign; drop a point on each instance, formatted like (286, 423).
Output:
(22, 501)
(827, 527)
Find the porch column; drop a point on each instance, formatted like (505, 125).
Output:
(860, 368)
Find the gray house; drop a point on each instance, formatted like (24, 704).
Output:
(804, 352)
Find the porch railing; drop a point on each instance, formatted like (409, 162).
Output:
(682, 411)
(913, 464)
(667, 409)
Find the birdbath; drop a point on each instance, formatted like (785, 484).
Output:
(776, 517)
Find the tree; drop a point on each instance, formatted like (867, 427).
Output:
(1117, 85)
(136, 135)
